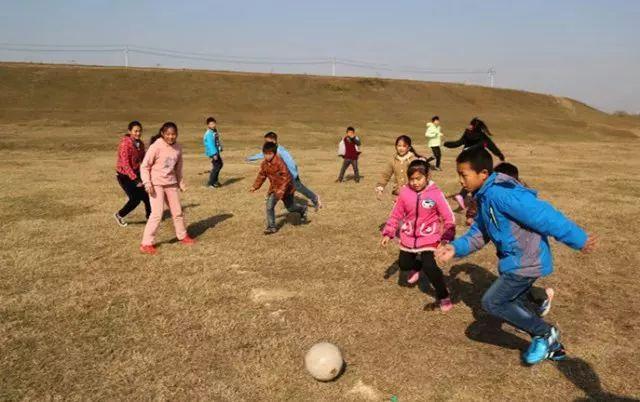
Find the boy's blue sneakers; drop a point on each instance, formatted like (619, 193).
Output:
(544, 347)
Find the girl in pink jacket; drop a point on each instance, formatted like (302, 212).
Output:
(427, 221)
(161, 173)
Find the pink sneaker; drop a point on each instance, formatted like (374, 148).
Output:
(413, 277)
(148, 249)
(460, 201)
(188, 241)
(445, 304)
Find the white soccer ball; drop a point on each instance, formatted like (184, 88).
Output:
(324, 361)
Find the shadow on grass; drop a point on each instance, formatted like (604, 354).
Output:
(488, 329)
(196, 229)
(232, 180)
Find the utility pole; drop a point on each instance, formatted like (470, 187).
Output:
(492, 77)
(333, 66)
(126, 56)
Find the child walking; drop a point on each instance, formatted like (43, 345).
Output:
(434, 139)
(161, 172)
(518, 223)
(213, 150)
(427, 222)
(397, 167)
(293, 170)
(281, 186)
(349, 150)
(130, 154)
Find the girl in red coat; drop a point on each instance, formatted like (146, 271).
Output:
(130, 154)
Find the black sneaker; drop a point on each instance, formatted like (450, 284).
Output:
(270, 231)
(120, 220)
(357, 180)
(217, 185)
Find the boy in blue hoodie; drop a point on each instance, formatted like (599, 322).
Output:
(213, 148)
(292, 167)
(518, 223)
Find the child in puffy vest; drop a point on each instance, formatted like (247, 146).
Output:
(349, 150)
(427, 222)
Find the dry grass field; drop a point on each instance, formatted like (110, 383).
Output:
(85, 316)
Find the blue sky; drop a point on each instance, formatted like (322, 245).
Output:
(587, 50)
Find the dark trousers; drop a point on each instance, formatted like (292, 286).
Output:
(438, 154)
(407, 262)
(215, 170)
(304, 190)
(507, 299)
(136, 196)
(289, 203)
(345, 164)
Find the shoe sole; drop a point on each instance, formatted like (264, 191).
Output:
(121, 224)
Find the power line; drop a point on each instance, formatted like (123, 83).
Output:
(126, 50)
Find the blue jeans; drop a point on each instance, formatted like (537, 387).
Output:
(506, 299)
(304, 190)
(289, 203)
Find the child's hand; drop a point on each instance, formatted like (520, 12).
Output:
(183, 187)
(252, 190)
(590, 245)
(150, 190)
(384, 241)
(444, 253)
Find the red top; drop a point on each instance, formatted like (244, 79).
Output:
(130, 155)
(350, 151)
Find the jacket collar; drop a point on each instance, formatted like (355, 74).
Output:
(406, 157)
(503, 180)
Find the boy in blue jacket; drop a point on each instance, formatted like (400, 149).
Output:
(292, 167)
(518, 223)
(213, 148)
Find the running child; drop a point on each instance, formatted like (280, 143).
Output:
(397, 167)
(281, 186)
(349, 150)
(434, 139)
(293, 169)
(130, 154)
(540, 298)
(213, 150)
(518, 223)
(161, 172)
(428, 222)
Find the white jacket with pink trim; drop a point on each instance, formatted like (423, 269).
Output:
(427, 219)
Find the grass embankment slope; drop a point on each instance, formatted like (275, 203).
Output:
(84, 316)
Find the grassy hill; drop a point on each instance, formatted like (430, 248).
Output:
(296, 103)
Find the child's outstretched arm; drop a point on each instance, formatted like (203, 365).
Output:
(493, 148)
(384, 178)
(262, 176)
(472, 241)
(255, 157)
(391, 227)
(541, 217)
(454, 144)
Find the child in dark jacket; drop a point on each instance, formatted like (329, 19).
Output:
(349, 150)
(281, 186)
(518, 223)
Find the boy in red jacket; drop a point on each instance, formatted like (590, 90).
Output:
(281, 186)
(349, 150)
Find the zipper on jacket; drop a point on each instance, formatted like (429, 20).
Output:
(415, 224)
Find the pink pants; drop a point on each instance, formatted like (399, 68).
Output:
(171, 196)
